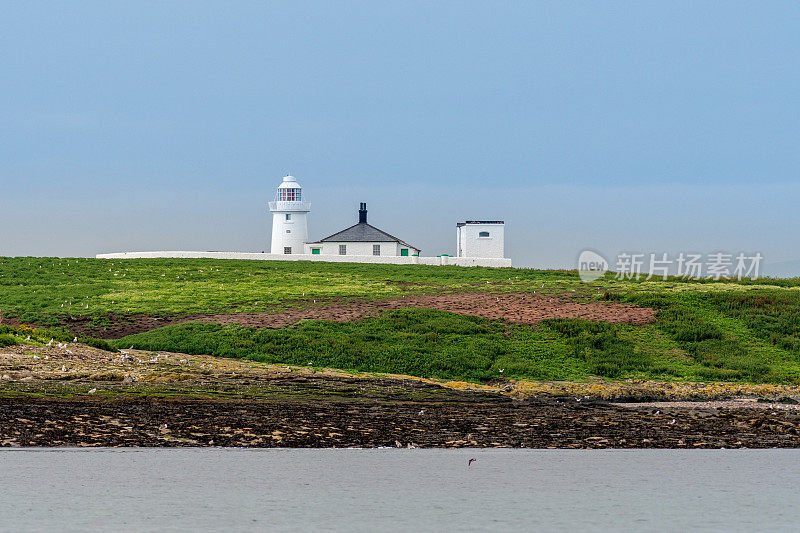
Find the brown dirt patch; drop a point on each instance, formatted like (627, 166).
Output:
(521, 308)
(118, 325)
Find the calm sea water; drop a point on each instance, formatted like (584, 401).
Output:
(398, 490)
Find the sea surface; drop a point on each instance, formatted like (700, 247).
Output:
(57, 489)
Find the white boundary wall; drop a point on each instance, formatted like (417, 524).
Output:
(382, 259)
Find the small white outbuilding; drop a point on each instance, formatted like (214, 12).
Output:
(480, 238)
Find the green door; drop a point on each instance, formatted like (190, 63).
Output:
(404, 252)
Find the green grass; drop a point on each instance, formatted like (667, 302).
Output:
(439, 344)
(37, 289)
(419, 342)
(704, 331)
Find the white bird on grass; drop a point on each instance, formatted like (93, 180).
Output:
(92, 391)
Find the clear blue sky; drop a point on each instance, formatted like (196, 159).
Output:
(650, 126)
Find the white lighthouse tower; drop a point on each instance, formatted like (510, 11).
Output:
(289, 218)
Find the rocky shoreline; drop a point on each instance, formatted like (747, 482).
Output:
(476, 422)
(80, 396)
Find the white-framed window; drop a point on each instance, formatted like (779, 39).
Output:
(376, 249)
(483, 234)
(288, 216)
(287, 249)
(289, 195)
(342, 249)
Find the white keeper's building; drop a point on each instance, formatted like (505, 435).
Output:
(363, 239)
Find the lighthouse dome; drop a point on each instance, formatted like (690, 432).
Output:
(289, 182)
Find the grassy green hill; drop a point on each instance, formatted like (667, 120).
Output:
(704, 331)
(41, 289)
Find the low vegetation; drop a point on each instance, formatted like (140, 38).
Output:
(745, 332)
(24, 334)
(443, 345)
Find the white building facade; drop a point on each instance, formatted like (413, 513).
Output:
(289, 218)
(480, 238)
(376, 248)
(362, 239)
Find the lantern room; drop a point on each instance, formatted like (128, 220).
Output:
(289, 190)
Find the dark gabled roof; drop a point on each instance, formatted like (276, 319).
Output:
(363, 232)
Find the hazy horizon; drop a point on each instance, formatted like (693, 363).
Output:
(656, 128)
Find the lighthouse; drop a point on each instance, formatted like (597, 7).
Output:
(289, 218)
